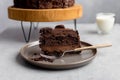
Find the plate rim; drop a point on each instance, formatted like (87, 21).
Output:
(51, 64)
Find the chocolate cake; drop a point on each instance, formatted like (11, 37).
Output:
(43, 4)
(56, 41)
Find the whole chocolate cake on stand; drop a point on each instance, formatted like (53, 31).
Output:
(44, 11)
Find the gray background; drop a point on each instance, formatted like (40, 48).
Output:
(90, 8)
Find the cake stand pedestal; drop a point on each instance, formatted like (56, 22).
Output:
(44, 15)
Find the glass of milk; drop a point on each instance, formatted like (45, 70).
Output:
(105, 22)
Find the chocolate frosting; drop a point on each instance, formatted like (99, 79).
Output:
(43, 4)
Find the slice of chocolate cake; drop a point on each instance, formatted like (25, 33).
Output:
(56, 41)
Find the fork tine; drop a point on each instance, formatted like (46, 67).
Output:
(48, 57)
(66, 52)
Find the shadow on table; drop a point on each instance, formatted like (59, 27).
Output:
(26, 64)
(16, 34)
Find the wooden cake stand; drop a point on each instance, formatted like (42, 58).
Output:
(44, 15)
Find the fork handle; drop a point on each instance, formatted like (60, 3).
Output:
(93, 47)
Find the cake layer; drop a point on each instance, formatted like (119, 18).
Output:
(59, 48)
(58, 37)
(58, 40)
(43, 4)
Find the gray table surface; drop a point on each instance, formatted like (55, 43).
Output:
(106, 65)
